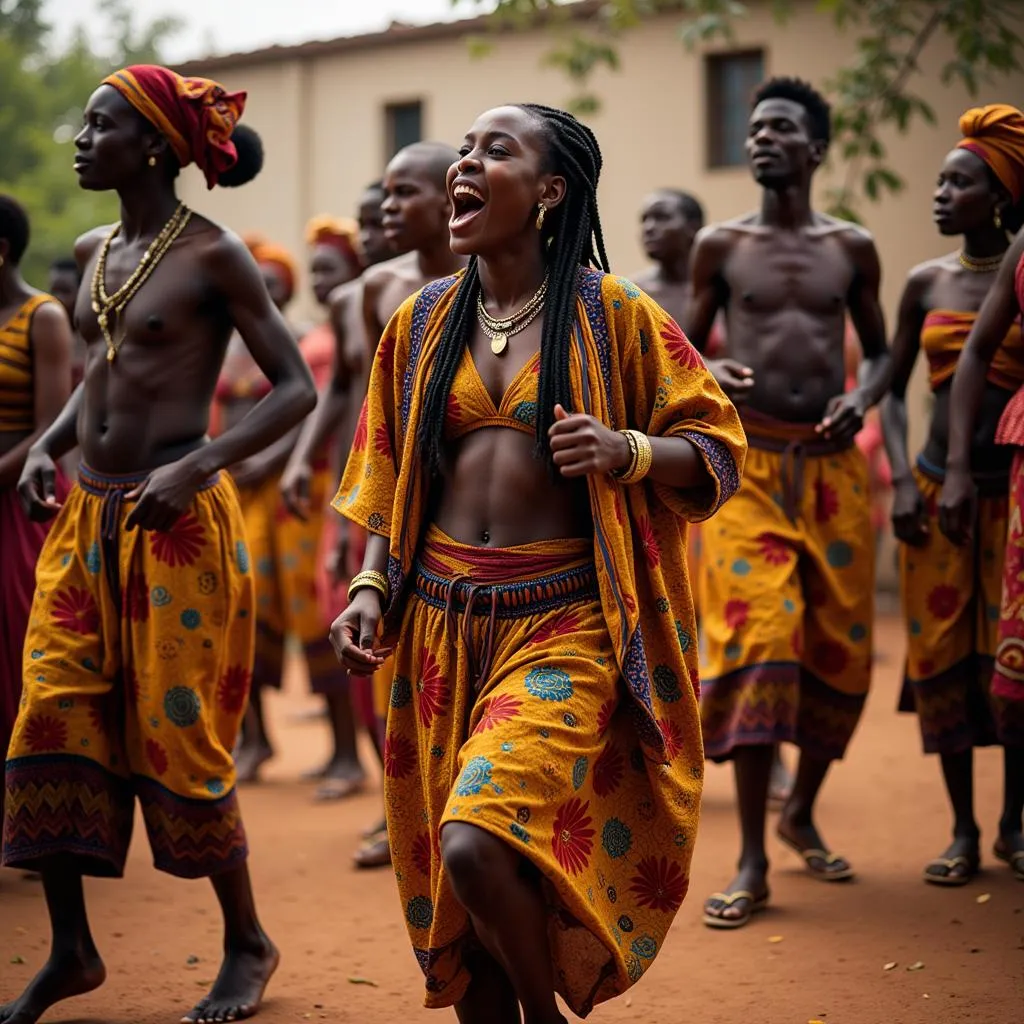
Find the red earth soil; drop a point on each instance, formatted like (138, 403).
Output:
(819, 954)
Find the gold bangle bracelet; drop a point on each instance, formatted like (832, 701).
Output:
(644, 458)
(372, 579)
(625, 471)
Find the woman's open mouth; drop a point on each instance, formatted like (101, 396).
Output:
(467, 202)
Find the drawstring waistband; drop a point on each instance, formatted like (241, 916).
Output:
(500, 583)
(112, 489)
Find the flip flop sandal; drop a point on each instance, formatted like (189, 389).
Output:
(337, 789)
(813, 854)
(1015, 860)
(755, 906)
(374, 854)
(949, 863)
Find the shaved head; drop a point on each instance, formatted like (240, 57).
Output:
(429, 159)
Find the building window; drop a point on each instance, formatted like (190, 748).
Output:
(730, 80)
(403, 123)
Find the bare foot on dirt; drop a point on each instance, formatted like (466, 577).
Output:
(61, 978)
(238, 990)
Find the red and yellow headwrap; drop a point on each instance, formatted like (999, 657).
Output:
(338, 232)
(196, 115)
(277, 256)
(996, 135)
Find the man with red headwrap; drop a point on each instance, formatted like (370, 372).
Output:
(140, 645)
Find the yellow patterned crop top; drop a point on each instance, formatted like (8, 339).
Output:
(17, 391)
(943, 337)
(471, 407)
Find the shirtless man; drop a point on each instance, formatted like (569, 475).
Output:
(670, 220)
(142, 624)
(788, 597)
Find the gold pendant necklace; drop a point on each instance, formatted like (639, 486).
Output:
(499, 331)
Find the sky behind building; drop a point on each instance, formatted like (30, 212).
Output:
(228, 26)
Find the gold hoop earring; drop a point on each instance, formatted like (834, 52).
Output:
(152, 161)
(997, 220)
(541, 212)
(1, 261)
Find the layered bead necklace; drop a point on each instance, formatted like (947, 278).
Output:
(499, 331)
(108, 308)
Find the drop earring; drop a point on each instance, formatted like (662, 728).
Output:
(152, 161)
(997, 220)
(541, 212)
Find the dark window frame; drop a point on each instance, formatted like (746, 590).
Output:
(392, 110)
(715, 101)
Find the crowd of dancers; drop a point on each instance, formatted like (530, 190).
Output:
(475, 485)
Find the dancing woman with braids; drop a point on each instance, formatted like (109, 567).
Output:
(536, 435)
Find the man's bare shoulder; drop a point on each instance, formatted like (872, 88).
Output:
(399, 268)
(87, 244)
(854, 236)
(346, 296)
(646, 279)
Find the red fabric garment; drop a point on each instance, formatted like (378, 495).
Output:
(196, 115)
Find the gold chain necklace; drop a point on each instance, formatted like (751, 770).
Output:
(499, 331)
(980, 264)
(105, 306)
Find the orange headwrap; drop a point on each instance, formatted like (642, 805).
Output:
(196, 115)
(996, 135)
(339, 232)
(276, 255)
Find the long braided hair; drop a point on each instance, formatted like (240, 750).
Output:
(571, 238)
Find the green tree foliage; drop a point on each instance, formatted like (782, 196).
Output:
(871, 94)
(43, 92)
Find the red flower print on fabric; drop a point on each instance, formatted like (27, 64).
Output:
(421, 851)
(649, 541)
(453, 411)
(567, 622)
(233, 689)
(736, 612)
(678, 347)
(44, 733)
(359, 438)
(609, 769)
(572, 839)
(659, 884)
(386, 353)
(826, 501)
(136, 598)
(943, 601)
(773, 549)
(97, 715)
(182, 544)
(399, 757)
(830, 657)
(604, 716)
(500, 708)
(382, 441)
(432, 689)
(673, 737)
(157, 757)
(75, 610)
(131, 685)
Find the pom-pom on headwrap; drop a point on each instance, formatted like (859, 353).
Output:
(996, 135)
(196, 115)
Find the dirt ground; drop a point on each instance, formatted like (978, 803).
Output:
(819, 953)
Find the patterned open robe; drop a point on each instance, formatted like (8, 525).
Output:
(630, 366)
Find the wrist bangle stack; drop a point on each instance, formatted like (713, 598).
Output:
(369, 578)
(640, 459)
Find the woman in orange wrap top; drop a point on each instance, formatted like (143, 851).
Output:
(35, 382)
(952, 572)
